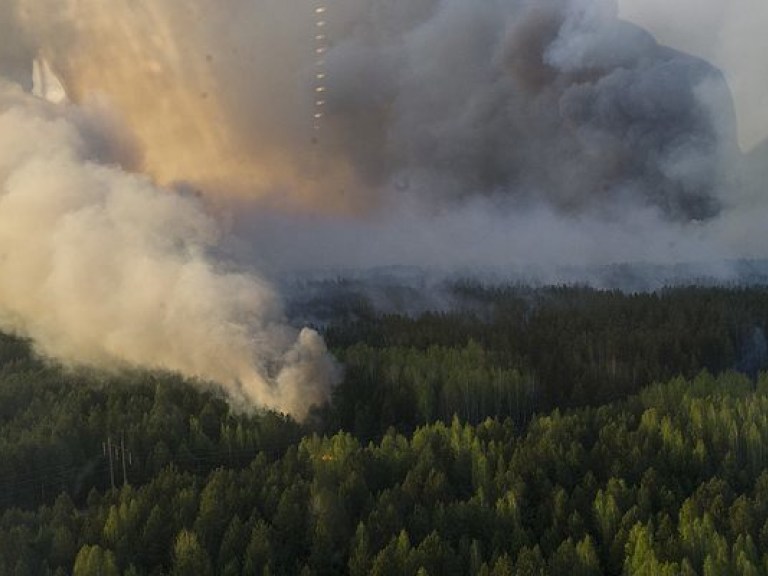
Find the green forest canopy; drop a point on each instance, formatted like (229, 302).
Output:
(522, 434)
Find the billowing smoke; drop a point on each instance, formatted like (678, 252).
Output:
(353, 131)
(100, 267)
(553, 101)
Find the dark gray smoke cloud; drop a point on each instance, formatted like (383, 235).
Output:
(514, 132)
(547, 102)
(555, 102)
(727, 34)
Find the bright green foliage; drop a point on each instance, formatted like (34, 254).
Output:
(189, 557)
(94, 561)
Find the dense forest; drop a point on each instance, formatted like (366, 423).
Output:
(521, 431)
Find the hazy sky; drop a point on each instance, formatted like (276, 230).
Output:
(729, 33)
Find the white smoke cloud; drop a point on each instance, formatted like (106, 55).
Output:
(100, 267)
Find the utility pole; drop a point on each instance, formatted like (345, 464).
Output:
(111, 466)
(122, 451)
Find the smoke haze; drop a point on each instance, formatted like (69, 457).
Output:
(200, 138)
(728, 34)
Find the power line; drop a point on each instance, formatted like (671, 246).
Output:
(111, 467)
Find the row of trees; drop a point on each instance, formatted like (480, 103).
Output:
(510, 351)
(404, 387)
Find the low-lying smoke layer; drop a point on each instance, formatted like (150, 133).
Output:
(102, 268)
(553, 101)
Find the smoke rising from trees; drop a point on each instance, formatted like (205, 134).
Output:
(450, 133)
(100, 267)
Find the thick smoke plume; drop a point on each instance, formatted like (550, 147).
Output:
(102, 268)
(356, 132)
(554, 101)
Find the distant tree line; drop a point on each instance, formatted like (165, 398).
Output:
(512, 351)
